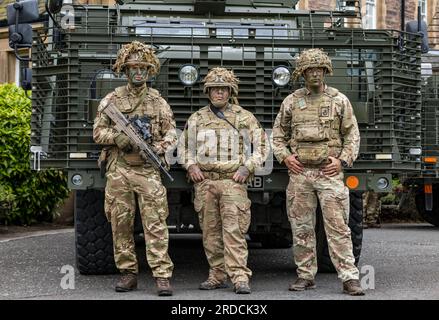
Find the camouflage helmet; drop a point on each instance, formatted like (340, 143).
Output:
(137, 53)
(221, 77)
(312, 58)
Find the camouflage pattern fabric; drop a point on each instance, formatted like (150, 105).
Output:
(221, 77)
(129, 176)
(312, 58)
(164, 136)
(314, 127)
(371, 207)
(327, 121)
(302, 194)
(137, 52)
(123, 185)
(224, 214)
(222, 204)
(215, 146)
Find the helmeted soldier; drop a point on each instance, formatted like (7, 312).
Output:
(129, 176)
(316, 135)
(215, 154)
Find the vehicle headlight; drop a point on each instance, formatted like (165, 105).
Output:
(77, 180)
(382, 183)
(188, 75)
(415, 151)
(281, 76)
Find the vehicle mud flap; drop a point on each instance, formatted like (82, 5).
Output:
(431, 216)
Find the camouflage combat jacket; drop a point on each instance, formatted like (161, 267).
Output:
(215, 146)
(315, 127)
(156, 108)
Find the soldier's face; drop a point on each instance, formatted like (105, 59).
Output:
(219, 96)
(314, 77)
(137, 75)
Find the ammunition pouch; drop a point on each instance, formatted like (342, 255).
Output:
(134, 159)
(311, 132)
(312, 154)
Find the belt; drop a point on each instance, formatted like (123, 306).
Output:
(218, 175)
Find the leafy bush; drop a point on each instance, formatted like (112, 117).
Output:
(393, 197)
(33, 194)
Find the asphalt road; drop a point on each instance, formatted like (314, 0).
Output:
(400, 261)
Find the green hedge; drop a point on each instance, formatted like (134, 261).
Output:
(30, 196)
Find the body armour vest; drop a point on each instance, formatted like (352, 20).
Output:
(149, 107)
(315, 126)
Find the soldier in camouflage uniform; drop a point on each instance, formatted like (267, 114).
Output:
(315, 135)
(214, 154)
(372, 209)
(130, 177)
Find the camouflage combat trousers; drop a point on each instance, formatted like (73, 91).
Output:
(122, 186)
(224, 213)
(302, 194)
(371, 207)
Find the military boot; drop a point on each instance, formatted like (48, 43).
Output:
(127, 282)
(163, 287)
(302, 284)
(211, 284)
(242, 287)
(353, 288)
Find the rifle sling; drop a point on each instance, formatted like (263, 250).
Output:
(219, 114)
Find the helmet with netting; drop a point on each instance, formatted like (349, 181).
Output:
(139, 54)
(221, 77)
(312, 58)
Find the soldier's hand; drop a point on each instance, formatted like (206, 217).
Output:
(293, 164)
(333, 168)
(195, 173)
(123, 142)
(241, 174)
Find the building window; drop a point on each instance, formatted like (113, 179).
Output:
(345, 5)
(423, 4)
(370, 18)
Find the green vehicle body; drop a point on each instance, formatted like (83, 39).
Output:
(379, 70)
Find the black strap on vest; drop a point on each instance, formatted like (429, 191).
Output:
(221, 115)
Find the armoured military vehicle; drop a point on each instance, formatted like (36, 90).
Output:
(72, 56)
(426, 184)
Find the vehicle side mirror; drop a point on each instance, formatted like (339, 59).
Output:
(23, 12)
(20, 33)
(20, 37)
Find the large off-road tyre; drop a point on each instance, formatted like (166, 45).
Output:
(93, 238)
(429, 216)
(356, 226)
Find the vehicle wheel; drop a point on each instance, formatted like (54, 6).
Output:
(93, 238)
(279, 240)
(429, 216)
(356, 226)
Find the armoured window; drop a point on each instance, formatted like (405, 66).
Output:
(195, 29)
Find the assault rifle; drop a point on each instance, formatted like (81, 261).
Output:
(135, 134)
